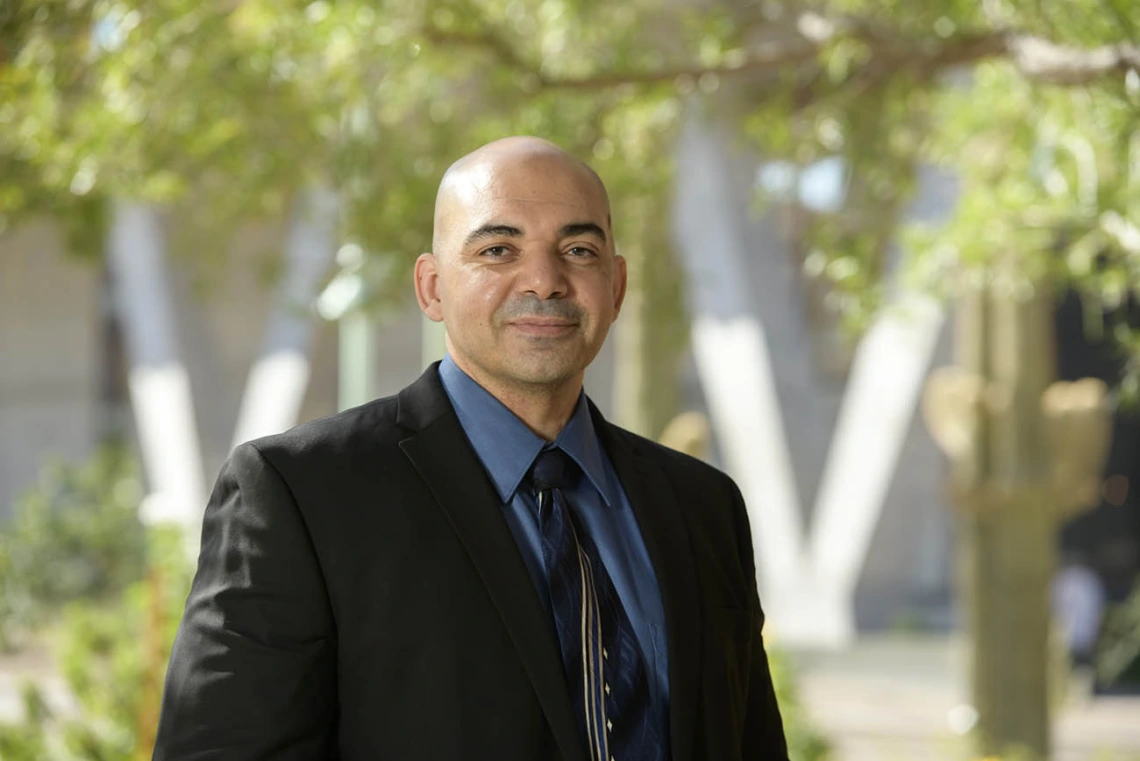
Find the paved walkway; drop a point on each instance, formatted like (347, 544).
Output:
(896, 699)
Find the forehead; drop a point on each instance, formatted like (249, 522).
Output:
(538, 189)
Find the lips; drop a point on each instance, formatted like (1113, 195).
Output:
(543, 328)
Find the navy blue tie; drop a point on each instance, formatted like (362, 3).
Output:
(603, 663)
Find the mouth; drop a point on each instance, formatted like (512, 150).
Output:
(543, 328)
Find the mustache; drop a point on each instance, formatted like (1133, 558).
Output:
(532, 306)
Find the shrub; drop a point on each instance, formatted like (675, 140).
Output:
(75, 536)
(113, 656)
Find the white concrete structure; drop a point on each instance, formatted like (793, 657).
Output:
(279, 377)
(755, 367)
(159, 383)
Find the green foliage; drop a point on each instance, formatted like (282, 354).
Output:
(124, 99)
(113, 656)
(77, 567)
(74, 536)
(28, 741)
(1047, 171)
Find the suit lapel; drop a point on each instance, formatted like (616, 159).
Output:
(441, 454)
(663, 530)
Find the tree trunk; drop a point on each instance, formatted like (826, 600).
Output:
(650, 334)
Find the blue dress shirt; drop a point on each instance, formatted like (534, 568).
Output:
(507, 449)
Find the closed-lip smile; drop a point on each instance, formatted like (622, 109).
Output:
(543, 326)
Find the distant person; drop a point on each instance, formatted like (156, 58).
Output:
(481, 567)
(1078, 604)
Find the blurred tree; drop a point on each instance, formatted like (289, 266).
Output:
(231, 107)
(236, 105)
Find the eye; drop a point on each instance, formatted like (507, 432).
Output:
(581, 252)
(495, 252)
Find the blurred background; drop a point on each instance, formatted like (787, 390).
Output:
(884, 260)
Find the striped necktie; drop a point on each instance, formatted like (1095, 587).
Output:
(601, 657)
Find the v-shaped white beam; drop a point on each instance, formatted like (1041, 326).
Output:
(159, 384)
(161, 396)
(807, 578)
(279, 377)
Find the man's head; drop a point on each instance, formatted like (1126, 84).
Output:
(523, 271)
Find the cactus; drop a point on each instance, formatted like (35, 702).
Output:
(1025, 452)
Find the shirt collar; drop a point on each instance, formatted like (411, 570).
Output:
(579, 440)
(507, 447)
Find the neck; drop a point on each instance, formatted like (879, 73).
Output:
(545, 410)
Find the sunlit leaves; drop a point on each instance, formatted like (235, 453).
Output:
(232, 107)
(1044, 170)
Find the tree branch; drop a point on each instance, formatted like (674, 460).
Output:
(1036, 58)
(483, 38)
(1045, 61)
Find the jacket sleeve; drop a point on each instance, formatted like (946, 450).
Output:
(764, 738)
(252, 673)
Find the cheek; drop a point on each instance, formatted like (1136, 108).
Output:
(475, 297)
(597, 297)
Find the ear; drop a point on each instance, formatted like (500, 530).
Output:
(620, 281)
(428, 287)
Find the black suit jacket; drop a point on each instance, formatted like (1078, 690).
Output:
(359, 595)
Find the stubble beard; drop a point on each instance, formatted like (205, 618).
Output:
(539, 364)
(540, 371)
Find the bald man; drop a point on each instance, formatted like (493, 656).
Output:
(481, 567)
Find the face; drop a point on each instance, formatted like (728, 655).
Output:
(524, 273)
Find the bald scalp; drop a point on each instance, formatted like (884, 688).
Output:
(477, 176)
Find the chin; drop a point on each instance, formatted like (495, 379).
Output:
(543, 373)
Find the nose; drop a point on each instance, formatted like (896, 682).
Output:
(544, 274)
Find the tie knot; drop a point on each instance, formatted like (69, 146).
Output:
(552, 469)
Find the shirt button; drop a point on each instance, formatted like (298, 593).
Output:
(605, 654)
(607, 686)
(609, 725)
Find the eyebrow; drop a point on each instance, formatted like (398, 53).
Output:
(582, 228)
(495, 230)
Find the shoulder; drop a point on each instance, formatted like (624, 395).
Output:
(714, 515)
(370, 428)
(683, 471)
